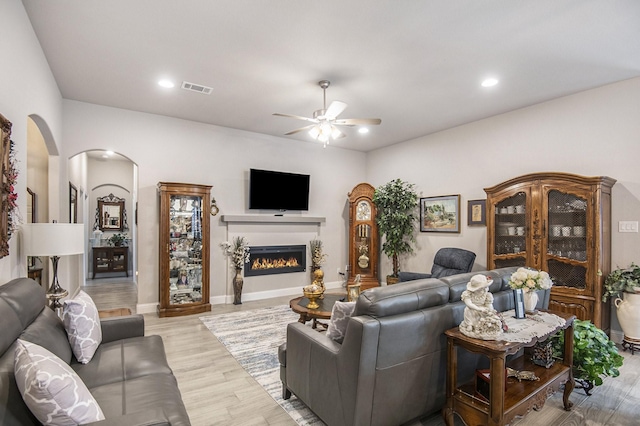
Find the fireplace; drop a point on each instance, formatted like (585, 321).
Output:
(267, 260)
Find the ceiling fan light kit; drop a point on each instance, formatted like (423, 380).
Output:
(325, 120)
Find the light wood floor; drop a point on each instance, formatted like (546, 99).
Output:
(217, 391)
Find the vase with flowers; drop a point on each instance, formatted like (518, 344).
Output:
(238, 251)
(530, 281)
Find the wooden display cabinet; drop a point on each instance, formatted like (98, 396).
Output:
(110, 259)
(559, 223)
(364, 242)
(184, 249)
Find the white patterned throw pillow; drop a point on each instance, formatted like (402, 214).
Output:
(51, 389)
(340, 315)
(82, 322)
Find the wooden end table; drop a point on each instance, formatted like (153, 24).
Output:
(519, 397)
(299, 306)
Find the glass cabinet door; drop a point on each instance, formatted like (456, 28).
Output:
(185, 249)
(566, 248)
(510, 241)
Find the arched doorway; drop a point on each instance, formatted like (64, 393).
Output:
(104, 185)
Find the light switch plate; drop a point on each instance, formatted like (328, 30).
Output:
(628, 226)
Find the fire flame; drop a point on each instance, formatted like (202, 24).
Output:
(264, 263)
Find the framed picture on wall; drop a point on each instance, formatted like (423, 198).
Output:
(477, 212)
(440, 214)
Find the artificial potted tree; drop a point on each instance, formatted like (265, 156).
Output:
(625, 283)
(396, 203)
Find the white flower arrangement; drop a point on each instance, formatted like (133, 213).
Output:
(238, 251)
(530, 280)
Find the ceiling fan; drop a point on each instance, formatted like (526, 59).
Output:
(325, 120)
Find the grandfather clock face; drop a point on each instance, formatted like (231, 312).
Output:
(363, 211)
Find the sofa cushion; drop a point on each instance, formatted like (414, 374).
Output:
(124, 360)
(21, 301)
(48, 331)
(340, 314)
(82, 323)
(143, 394)
(51, 389)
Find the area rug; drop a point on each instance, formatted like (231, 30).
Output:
(252, 337)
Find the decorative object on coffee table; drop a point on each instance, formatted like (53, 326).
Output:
(318, 257)
(238, 251)
(312, 293)
(530, 281)
(364, 241)
(353, 290)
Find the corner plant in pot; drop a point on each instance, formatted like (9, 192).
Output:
(396, 203)
(594, 355)
(626, 283)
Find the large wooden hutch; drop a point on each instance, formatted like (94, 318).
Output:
(559, 223)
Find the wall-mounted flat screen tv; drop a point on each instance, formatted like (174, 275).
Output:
(273, 190)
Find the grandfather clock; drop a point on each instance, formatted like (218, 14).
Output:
(364, 242)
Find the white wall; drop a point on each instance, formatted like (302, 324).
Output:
(28, 88)
(593, 133)
(173, 150)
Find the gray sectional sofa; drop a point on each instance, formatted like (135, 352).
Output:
(128, 376)
(391, 366)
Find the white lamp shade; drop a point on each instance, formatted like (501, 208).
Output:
(52, 239)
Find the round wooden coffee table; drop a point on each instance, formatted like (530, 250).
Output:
(323, 312)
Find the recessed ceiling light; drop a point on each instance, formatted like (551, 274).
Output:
(363, 130)
(168, 84)
(490, 82)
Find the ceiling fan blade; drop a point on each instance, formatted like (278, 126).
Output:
(357, 121)
(334, 110)
(336, 133)
(302, 129)
(313, 120)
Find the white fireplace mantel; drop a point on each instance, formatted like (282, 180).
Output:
(256, 218)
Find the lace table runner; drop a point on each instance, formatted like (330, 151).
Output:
(534, 325)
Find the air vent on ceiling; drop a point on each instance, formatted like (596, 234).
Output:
(197, 88)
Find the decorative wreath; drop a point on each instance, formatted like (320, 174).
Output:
(11, 178)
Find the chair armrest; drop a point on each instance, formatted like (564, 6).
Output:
(154, 417)
(118, 328)
(410, 276)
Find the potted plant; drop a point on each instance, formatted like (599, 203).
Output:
(117, 240)
(396, 203)
(594, 355)
(626, 283)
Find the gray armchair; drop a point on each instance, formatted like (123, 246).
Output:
(447, 261)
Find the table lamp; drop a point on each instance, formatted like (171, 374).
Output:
(53, 240)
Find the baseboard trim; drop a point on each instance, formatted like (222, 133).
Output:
(148, 308)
